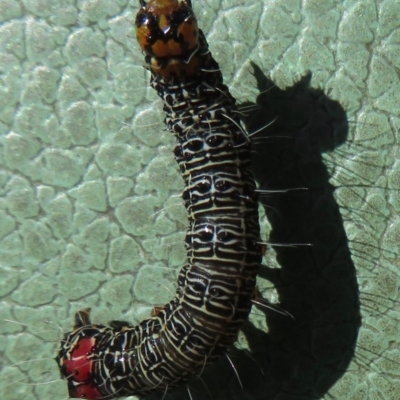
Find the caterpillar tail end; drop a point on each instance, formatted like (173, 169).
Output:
(75, 362)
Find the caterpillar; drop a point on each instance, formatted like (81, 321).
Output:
(369, 200)
(216, 286)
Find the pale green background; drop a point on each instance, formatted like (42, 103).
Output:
(90, 213)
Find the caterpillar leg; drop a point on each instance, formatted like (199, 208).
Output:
(156, 310)
(82, 318)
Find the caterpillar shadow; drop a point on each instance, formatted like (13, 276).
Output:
(303, 357)
(317, 284)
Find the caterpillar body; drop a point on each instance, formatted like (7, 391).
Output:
(216, 286)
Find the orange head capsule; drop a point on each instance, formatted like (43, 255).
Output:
(166, 28)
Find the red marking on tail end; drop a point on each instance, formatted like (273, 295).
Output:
(78, 370)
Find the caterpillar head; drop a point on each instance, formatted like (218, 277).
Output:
(166, 28)
(168, 34)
